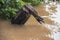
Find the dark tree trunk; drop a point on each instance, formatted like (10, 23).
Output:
(21, 17)
(24, 14)
(34, 13)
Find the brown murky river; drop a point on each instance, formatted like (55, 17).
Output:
(32, 30)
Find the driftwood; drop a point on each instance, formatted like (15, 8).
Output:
(34, 13)
(21, 17)
(24, 14)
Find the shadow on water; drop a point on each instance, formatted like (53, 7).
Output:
(32, 30)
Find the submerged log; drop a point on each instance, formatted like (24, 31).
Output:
(24, 14)
(34, 13)
(21, 17)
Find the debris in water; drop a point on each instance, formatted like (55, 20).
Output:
(24, 14)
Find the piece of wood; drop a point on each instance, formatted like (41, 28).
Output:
(24, 14)
(34, 13)
(21, 17)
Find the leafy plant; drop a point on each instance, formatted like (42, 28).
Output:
(33, 2)
(9, 8)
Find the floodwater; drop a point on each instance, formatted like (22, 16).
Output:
(32, 30)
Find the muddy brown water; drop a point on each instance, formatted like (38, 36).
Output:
(32, 30)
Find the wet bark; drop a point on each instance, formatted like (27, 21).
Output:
(34, 13)
(24, 14)
(21, 17)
